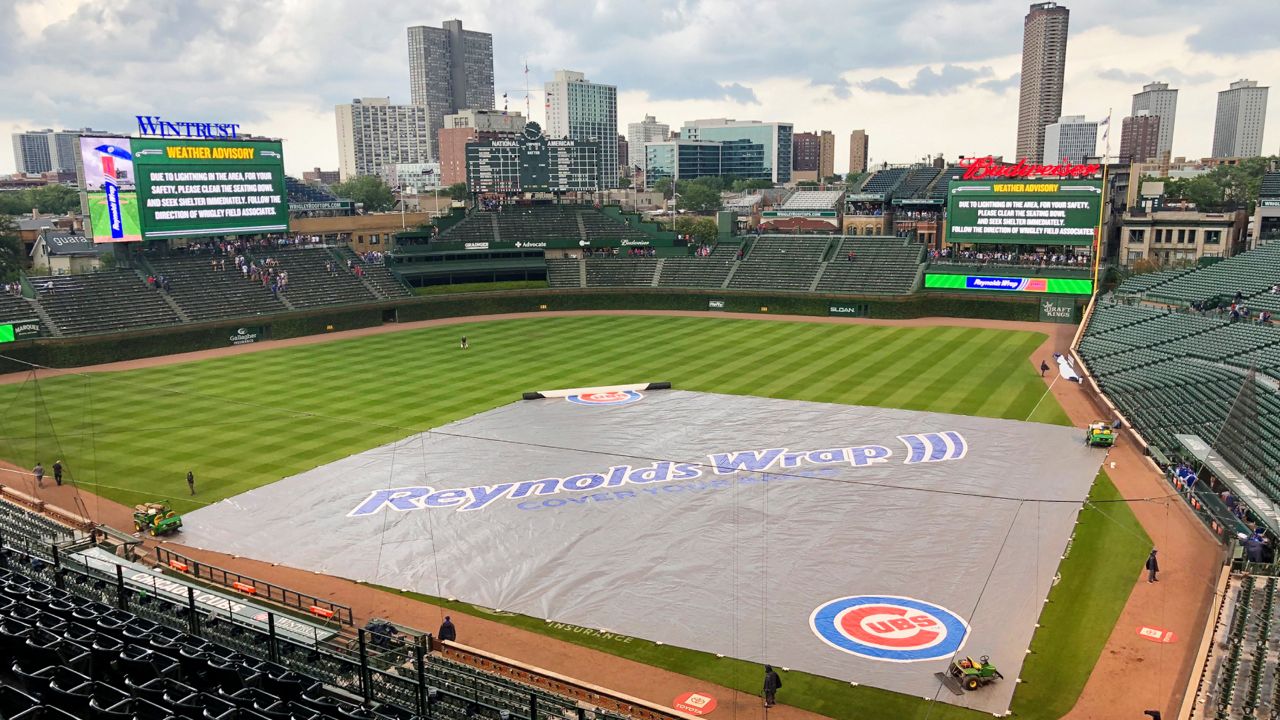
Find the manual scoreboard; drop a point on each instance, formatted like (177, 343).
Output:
(533, 163)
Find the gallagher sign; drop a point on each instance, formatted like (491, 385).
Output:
(889, 628)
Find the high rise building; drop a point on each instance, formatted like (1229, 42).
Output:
(321, 177)
(1159, 99)
(813, 155)
(450, 69)
(1242, 112)
(647, 131)
(48, 150)
(1044, 59)
(373, 133)
(1070, 139)
(774, 139)
(859, 145)
(581, 110)
(1140, 137)
(467, 126)
(31, 151)
(624, 152)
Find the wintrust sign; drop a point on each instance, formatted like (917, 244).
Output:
(987, 167)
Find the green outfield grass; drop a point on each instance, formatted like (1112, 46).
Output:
(245, 421)
(100, 220)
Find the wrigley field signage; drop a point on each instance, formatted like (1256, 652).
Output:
(987, 167)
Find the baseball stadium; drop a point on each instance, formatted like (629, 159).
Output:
(547, 458)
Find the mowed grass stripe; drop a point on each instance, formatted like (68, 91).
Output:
(243, 421)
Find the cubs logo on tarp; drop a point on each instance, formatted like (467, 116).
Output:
(890, 628)
(616, 397)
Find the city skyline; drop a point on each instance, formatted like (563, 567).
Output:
(917, 92)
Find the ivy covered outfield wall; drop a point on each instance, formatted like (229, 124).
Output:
(96, 349)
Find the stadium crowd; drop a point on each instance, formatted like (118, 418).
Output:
(1002, 257)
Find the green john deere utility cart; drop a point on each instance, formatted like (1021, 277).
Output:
(973, 674)
(156, 518)
(1100, 434)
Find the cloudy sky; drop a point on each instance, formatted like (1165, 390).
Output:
(922, 77)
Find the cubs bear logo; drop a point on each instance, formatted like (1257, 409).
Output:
(889, 628)
(615, 397)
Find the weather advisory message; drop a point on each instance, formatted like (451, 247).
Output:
(1032, 212)
(148, 188)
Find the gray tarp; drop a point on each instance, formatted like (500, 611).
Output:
(731, 562)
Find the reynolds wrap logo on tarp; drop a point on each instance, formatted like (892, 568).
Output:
(920, 448)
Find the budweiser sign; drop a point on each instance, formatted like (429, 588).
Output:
(987, 167)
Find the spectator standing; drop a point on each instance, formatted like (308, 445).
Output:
(772, 683)
(447, 630)
(38, 471)
(57, 472)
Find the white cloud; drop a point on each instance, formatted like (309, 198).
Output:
(279, 66)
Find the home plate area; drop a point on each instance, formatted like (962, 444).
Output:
(859, 543)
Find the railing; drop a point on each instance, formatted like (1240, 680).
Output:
(261, 589)
(377, 668)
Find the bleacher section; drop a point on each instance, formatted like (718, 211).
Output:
(1174, 373)
(102, 302)
(204, 294)
(620, 272)
(1270, 187)
(697, 272)
(881, 266)
(781, 262)
(1252, 274)
(300, 192)
(541, 223)
(563, 273)
(13, 307)
(884, 182)
(310, 285)
(915, 181)
(376, 274)
(943, 183)
(1135, 284)
(813, 200)
(74, 645)
(600, 228)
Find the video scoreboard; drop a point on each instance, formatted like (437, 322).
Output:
(533, 163)
(151, 188)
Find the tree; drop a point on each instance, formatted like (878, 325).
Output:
(54, 199)
(1224, 187)
(458, 191)
(624, 183)
(703, 229)
(368, 190)
(10, 248)
(807, 184)
(756, 184)
(663, 185)
(710, 181)
(697, 197)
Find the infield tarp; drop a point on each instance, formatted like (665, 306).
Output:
(679, 517)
